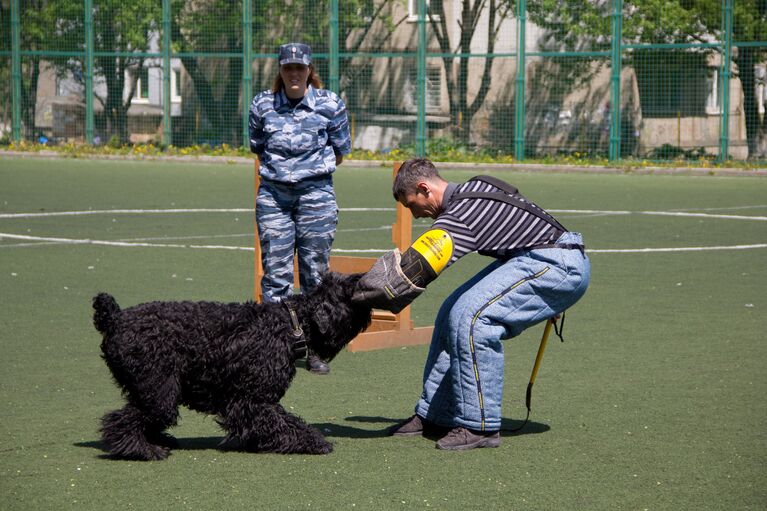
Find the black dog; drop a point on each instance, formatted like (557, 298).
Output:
(235, 361)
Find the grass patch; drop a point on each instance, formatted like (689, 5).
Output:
(655, 400)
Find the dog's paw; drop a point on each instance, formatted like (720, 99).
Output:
(323, 447)
(158, 453)
(147, 452)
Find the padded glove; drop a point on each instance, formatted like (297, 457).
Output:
(385, 286)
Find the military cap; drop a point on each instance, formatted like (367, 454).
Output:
(295, 53)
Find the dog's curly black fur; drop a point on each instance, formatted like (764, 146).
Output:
(234, 361)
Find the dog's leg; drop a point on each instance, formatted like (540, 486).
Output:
(267, 427)
(125, 433)
(137, 431)
(161, 402)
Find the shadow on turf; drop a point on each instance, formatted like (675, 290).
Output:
(203, 443)
(507, 427)
(331, 430)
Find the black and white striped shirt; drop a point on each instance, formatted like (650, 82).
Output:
(490, 227)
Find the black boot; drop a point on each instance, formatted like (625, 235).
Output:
(316, 365)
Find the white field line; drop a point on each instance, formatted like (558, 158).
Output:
(153, 211)
(661, 213)
(705, 215)
(119, 212)
(727, 208)
(672, 249)
(357, 210)
(138, 243)
(73, 241)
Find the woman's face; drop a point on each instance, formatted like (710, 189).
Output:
(294, 76)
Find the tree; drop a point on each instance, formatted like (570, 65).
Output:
(119, 29)
(33, 18)
(462, 110)
(579, 22)
(215, 26)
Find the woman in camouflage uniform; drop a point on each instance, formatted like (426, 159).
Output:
(300, 133)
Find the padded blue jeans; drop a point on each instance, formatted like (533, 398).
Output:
(463, 376)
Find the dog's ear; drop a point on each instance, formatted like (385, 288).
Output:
(323, 317)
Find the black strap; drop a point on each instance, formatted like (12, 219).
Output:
(299, 343)
(498, 183)
(511, 196)
(558, 330)
(566, 246)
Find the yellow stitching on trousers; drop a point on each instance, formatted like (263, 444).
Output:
(474, 319)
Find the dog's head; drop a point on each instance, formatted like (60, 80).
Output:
(336, 319)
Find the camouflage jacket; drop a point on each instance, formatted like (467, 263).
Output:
(294, 144)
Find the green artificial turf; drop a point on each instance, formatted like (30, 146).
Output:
(655, 401)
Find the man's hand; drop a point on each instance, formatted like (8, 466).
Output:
(385, 286)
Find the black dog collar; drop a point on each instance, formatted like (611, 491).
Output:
(299, 343)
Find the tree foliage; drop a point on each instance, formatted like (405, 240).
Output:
(575, 23)
(119, 29)
(36, 18)
(463, 107)
(217, 81)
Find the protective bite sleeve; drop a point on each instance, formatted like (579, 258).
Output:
(385, 286)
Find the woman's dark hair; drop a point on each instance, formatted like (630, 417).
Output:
(313, 79)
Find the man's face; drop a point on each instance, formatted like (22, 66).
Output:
(422, 204)
(294, 77)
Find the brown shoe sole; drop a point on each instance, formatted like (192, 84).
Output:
(407, 433)
(488, 441)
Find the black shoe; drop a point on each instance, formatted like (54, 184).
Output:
(316, 365)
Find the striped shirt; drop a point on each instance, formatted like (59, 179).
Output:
(490, 227)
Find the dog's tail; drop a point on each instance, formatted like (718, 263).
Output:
(105, 312)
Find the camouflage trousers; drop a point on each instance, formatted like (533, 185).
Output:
(296, 219)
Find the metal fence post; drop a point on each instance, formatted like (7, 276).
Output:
(247, 67)
(15, 71)
(88, 72)
(420, 125)
(519, 100)
(614, 152)
(333, 62)
(167, 128)
(724, 131)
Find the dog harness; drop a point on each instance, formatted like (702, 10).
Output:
(299, 342)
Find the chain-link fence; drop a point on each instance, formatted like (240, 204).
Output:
(654, 79)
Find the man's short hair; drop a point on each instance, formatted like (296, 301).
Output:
(410, 174)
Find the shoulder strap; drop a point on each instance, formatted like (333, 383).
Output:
(511, 196)
(498, 183)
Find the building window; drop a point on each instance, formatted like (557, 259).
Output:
(61, 86)
(433, 7)
(713, 101)
(685, 86)
(760, 73)
(175, 86)
(433, 89)
(433, 96)
(142, 86)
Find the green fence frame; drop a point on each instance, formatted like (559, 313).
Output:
(247, 56)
